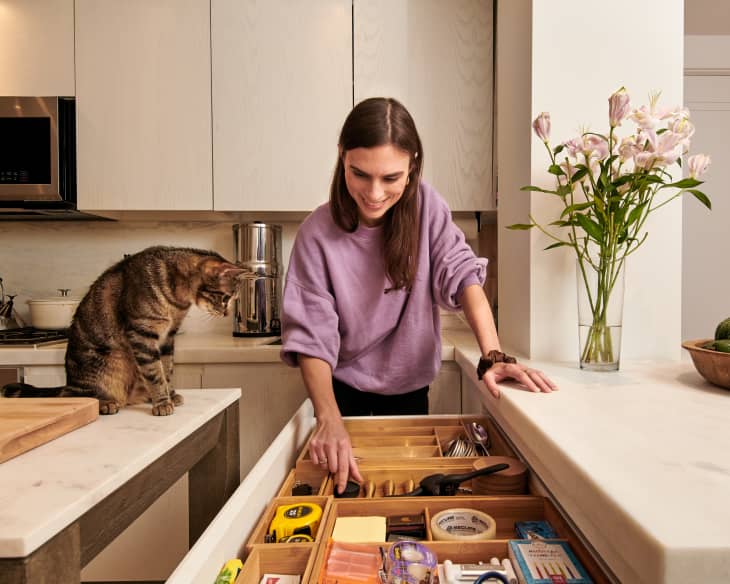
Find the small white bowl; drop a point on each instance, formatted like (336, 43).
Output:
(52, 313)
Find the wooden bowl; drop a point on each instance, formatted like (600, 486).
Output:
(714, 366)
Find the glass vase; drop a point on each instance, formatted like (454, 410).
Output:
(600, 285)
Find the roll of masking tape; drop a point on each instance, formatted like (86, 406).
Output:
(462, 525)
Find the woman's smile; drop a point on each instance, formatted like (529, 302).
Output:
(376, 178)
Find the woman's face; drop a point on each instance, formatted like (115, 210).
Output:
(376, 178)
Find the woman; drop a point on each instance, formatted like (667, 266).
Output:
(367, 275)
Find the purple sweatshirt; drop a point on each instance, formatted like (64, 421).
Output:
(335, 309)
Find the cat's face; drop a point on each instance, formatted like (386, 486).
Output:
(219, 288)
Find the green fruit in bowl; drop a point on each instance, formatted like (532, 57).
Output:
(722, 332)
(723, 345)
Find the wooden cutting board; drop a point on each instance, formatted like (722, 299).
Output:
(27, 422)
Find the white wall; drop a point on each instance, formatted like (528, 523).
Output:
(575, 64)
(706, 278)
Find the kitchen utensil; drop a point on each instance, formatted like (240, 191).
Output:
(53, 313)
(258, 248)
(478, 436)
(461, 447)
(446, 485)
(29, 422)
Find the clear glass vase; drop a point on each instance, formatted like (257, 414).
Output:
(600, 312)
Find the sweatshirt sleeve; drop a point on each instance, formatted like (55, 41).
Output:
(309, 321)
(454, 266)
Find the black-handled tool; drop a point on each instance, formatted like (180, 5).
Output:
(446, 485)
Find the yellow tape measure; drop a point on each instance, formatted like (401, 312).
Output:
(299, 518)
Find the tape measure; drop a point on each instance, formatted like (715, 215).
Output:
(299, 518)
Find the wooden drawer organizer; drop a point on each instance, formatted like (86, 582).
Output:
(414, 442)
(282, 558)
(399, 449)
(312, 475)
(504, 510)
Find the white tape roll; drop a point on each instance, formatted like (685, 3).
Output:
(462, 525)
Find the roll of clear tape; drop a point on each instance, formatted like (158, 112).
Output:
(463, 525)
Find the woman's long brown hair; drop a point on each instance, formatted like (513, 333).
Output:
(380, 121)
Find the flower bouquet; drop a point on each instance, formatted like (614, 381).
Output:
(608, 186)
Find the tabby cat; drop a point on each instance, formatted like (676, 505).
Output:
(121, 339)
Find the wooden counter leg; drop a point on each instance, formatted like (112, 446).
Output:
(214, 478)
(58, 561)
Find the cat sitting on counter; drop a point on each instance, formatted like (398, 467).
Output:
(121, 340)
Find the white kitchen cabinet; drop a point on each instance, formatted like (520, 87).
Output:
(436, 58)
(282, 85)
(444, 395)
(37, 47)
(143, 104)
(270, 394)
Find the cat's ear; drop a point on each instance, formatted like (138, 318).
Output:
(231, 271)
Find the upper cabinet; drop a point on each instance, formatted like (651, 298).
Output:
(37, 47)
(436, 58)
(282, 85)
(143, 104)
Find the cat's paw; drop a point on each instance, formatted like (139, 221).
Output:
(177, 399)
(164, 408)
(108, 407)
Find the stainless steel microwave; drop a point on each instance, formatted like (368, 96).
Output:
(37, 157)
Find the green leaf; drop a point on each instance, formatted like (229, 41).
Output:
(580, 173)
(558, 149)
(686, 183)
(556, 170)
(660, 132)
(520, 226)
(557, 244)
(564, 190)
(575, 207)
(622, 180)
(590, 227)
(561, 223)
(636, 213)
(701, 197)
(533, 188)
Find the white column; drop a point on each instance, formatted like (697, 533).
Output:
(566, 58)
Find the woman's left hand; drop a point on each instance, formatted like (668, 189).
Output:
(532, 379)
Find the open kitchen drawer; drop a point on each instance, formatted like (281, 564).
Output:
(237, 531)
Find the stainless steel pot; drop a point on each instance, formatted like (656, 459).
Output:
(258, 248)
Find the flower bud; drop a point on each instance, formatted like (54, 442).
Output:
(698, 164)
(618, 107)
(541, 125)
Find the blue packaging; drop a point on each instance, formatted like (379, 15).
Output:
(535, 530)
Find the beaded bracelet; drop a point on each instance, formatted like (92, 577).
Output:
(492, 357)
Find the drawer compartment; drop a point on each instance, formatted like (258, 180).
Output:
(262, 527)
(294, 559)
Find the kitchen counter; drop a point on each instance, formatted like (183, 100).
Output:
(190, 347)
(638, 459)
(55, 519)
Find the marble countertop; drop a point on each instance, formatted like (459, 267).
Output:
(38, 494)
(638, 458)
(192, 347)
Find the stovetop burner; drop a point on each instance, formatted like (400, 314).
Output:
(29, 335)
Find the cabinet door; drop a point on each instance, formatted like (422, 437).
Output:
(37, 47)
(282, 86)
(444, 395)
(436, 58)
(270, 394)
(143, 104)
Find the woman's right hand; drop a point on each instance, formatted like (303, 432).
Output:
(330, 447)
